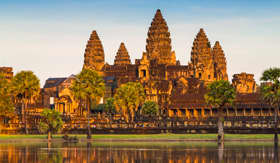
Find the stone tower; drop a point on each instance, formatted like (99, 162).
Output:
(244, 83)
(94, 53)
(122, 57)
(201, 58)
(220, 63)
(158, 42)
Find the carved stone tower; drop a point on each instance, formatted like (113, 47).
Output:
(220, 63)
(201, 58)
(122, 57)
(94, 53)
(244, 83)
(158, 42)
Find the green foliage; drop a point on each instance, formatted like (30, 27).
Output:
(270, 94)
(26, 85)
(129, 97)
(110, 106)
(220, 93)
(51, 121)
(271, 75)
(88, 86)
(99, 108)
(271, 91)
(150, 108)
(6, 103)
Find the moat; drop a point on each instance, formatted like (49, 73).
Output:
(135, 151)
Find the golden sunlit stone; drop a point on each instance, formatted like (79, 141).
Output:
(122, 57)
(94, 53)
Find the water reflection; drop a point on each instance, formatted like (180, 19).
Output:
(134, 152)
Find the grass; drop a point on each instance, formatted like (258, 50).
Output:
(149, 136)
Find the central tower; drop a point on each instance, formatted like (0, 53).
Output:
(158, 42)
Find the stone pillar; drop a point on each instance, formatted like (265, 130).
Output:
(203, 113)
(195, 113)
(187, 113)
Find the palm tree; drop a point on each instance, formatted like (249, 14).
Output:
(128, 98)
(88, 87)
(271, 93)
(25, 87)
(220, 93)
(51, 122)
(6, 103)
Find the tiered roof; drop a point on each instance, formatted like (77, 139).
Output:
(158, 41)
(220, 61)
(218, 52)
(94, 53)
(201, 49)
(122, 57)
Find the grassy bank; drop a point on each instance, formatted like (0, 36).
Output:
(148, 137)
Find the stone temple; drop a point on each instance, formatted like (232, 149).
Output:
(173, 86)
(178, 89)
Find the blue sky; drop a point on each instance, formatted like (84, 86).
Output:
(49, 37)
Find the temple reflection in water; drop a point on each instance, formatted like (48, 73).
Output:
(131, 152)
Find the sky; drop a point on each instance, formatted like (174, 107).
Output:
(49, 37)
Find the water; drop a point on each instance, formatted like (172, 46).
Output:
(136, 152)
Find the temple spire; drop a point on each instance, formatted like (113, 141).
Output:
(201, 58)
(201, 47)
(158, 41)
(220, 63)
(94, 53)
(122, 57)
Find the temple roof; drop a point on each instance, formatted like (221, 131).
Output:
(217, 50)
(94, 53)
(200, 42)
(201, 50)
(122, 57)
(158, 42)
(53, 82)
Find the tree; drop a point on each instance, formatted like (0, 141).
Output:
(25, 87)
(220, 93)
(51, 122)
(110, 106)
(6, 103)
(150, 108)
(128, 98)
(271, 93)
(88, 87)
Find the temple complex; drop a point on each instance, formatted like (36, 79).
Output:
(178, 89)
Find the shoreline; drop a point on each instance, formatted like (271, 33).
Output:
(141, 138)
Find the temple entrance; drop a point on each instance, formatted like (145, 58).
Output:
(64, 105)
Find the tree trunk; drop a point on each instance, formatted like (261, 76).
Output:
(276, 110)
(88, 126)
(25, 120)
(220, 126)
(221, 151)
(49, 136)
